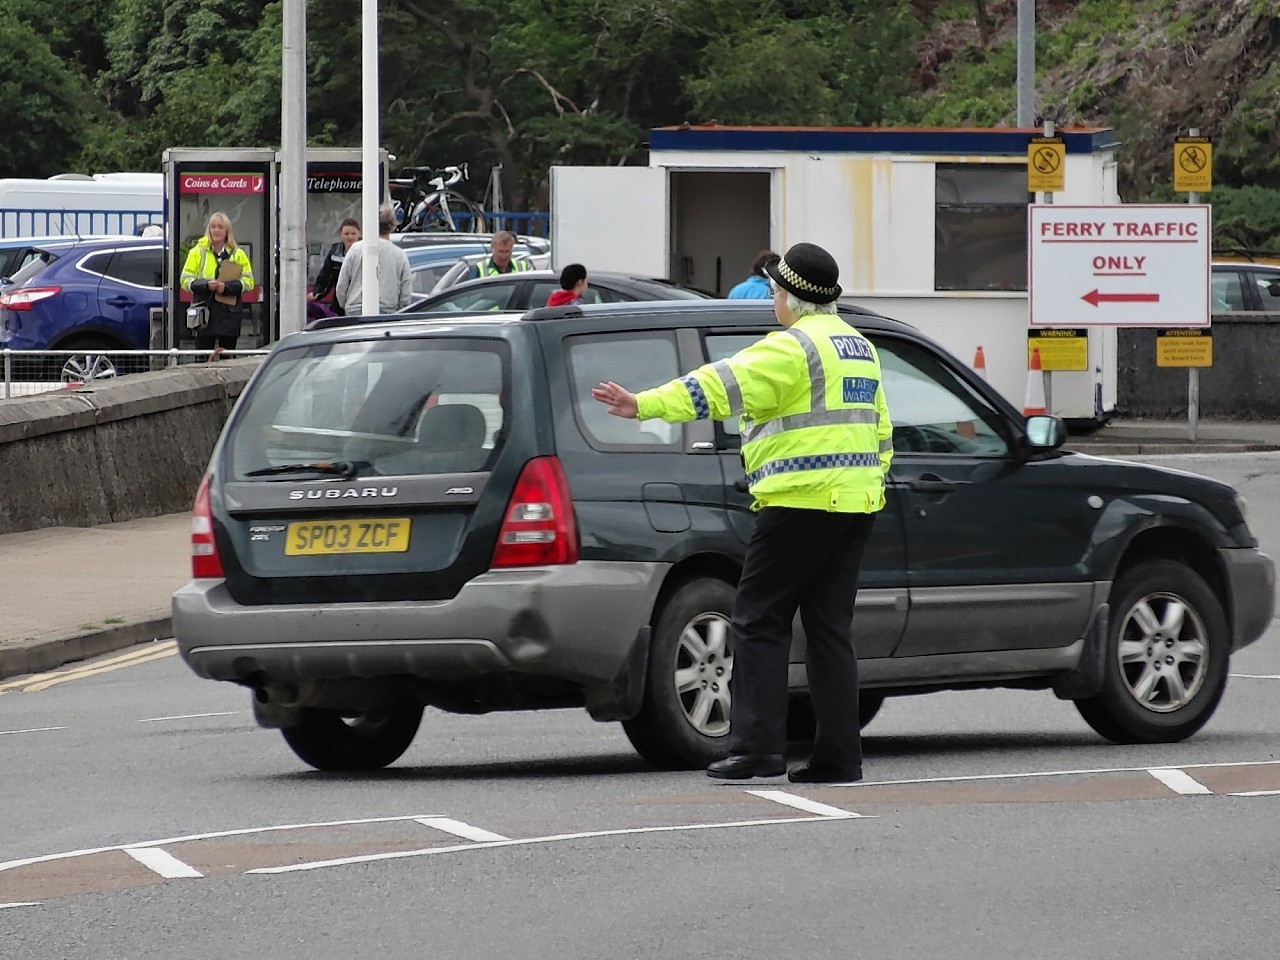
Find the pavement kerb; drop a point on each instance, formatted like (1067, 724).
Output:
(17, 661)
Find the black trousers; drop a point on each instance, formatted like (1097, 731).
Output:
(806, 559)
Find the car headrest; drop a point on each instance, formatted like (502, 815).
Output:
(453, 426)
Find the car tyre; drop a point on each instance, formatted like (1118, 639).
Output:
(683, 721)
(331, 740)
(1167, 654)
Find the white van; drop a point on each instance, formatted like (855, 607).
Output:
(105, 203)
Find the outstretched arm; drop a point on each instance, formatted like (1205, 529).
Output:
(621, 401)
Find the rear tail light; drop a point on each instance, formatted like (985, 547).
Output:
(25, 297)
(205, 562)
(539, 526)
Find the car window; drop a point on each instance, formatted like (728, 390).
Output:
(143, 268)
(393, 407)
(542, 289)
(932, 410)
(1227, 291)
(488, 296)
(99, 263)
(1269, 290)
(425, 277)
(34, 266)
(640, 361)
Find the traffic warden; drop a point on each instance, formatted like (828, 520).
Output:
(499, 260)
(816, 445)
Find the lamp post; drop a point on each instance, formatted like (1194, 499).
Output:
(293, 169)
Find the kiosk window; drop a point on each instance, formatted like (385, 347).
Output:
(980, 226)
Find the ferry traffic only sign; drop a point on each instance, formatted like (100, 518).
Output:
(1122, 265)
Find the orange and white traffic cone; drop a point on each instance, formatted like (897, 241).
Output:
(980, 363)
(1033, 404)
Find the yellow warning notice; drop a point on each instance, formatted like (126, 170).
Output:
(1046, 165)
(1060, 349)
(1192, 165)
(1184, 347)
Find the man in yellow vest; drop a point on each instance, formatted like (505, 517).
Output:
(816, 443)
(500, 260)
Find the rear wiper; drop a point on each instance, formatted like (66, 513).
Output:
(341, 468)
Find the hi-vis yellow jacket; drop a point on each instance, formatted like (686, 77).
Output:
(816, 432)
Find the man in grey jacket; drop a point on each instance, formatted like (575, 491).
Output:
(395, 279)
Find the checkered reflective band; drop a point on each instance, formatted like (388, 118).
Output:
(701, 407)
(822, 461)
(796, 280)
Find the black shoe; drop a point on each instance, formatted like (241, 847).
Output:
(824, 773)
(743, 766)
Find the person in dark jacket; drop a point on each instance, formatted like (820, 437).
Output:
(201, 278)
(573, 286)
(327, 277)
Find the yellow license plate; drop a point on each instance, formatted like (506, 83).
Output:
(310, 538)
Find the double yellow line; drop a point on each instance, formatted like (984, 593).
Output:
(42, 681)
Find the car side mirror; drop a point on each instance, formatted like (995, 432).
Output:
(1045, 433)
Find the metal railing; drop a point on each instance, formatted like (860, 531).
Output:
(24, 373)
(58, 223)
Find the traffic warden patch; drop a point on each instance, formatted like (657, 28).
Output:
(859, 389)
(851, 348)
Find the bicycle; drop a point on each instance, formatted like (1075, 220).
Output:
(420, 210)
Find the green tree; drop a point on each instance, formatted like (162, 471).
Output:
(42, 102)
(833, 63)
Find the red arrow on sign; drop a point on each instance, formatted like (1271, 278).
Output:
(1094, 297)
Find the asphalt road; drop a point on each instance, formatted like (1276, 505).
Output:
(143, 814)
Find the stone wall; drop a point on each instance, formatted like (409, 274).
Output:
(1241, 384)
(115, 450)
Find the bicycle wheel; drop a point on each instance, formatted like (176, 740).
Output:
(459, 213)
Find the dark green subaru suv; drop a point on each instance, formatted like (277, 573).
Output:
(414, 511)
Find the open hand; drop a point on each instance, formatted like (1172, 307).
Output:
(621, 401)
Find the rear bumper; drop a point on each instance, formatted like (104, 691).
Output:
(576, 622)
(1251, 576)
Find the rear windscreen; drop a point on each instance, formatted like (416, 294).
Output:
(378, 408)
(35, 263)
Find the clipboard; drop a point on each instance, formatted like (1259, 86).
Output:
(228, 270)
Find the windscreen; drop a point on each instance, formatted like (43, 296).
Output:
(388, 407)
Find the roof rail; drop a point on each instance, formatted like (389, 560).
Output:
(553, 313)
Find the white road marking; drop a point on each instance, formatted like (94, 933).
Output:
(163, 863)
(1257, 676)
(89, 851)
(803, 803)
(971, 778)
(1179, 781)
(528, 841)
(1256, 793)
(6, 733)
(460, 829)
(10, 906)
(189, 716)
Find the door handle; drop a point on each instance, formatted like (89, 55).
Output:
(931, 483)
(121, 301)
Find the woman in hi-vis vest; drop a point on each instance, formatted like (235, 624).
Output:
(217, 274)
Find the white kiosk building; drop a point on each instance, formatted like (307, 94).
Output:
(929, 226)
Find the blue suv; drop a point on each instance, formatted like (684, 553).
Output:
(87, 295)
